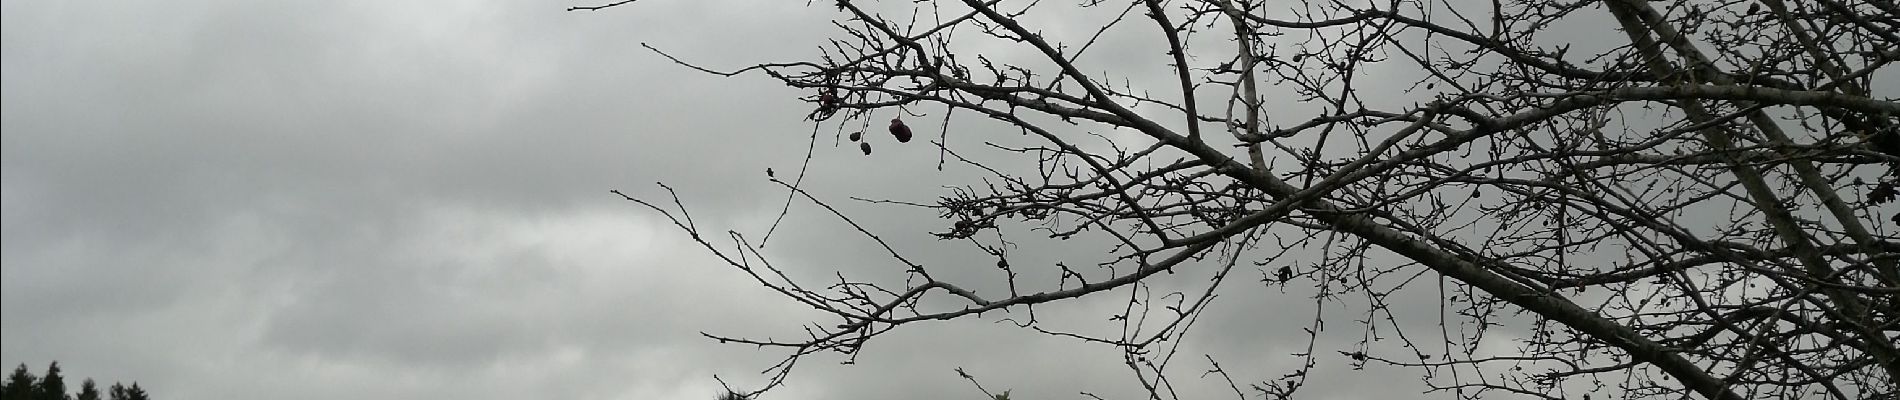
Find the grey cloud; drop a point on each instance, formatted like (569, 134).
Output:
(403, 200)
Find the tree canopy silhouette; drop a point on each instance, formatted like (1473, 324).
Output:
(22, 385)
(1648, 199)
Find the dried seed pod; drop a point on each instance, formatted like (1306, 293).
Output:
(901, 131)
(856, 136)
(866, 146)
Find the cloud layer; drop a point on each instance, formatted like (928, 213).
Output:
(390, 200)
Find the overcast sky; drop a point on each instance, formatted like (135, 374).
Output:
(409, 199)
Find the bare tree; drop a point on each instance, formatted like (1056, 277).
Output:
(1667, 197)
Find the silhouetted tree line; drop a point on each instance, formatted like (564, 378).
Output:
(22, 385)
